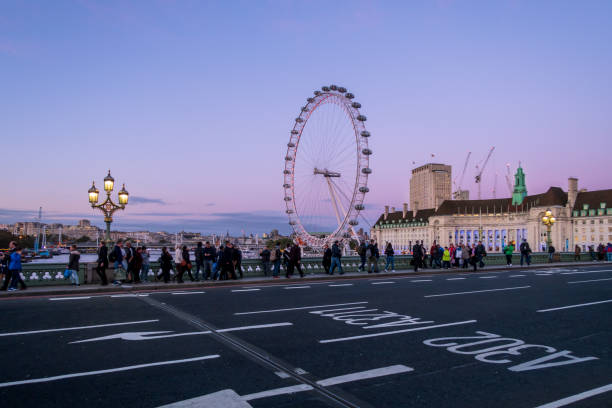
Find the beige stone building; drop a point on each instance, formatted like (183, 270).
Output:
(582, 218)
(430, 185)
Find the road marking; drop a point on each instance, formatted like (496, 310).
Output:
(578, 397)
(544, 274)
(110, 370)
(487, 277)
(187, 293)
(341, 284)
(572, 306)
(297, 287)
(594, 280)
(122, 296)
(455, 278)
(77, 328)
(421, 280)
(381, 283)
(71, 298)
(282, 374)
(298, 308)
(245, 290)
(517, 276)
(477, 291)
(139, 336)
(363, 336)
(580, 273)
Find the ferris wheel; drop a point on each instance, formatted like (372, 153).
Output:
(326, 168)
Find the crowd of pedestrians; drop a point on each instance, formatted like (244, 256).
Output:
(460, 256)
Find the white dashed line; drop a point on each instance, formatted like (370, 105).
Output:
(573, 306)
(593, 280)
(341, 284)
(297, 287)
(187, 293)
(299, 308)
(487, 277)
(381, 283)
(245, 290)
(517, 276)
(580, 273)
(421, 280)
(455, 278)
(477, 291)
(77, 328)
(71, 298)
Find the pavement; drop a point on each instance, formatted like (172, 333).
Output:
(521, 337)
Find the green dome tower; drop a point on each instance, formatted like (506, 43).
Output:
(520, 189)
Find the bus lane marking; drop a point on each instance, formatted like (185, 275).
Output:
(298, 308)
(593, 280)
(476, 291)
(77, 328)
(578, 397)
(573, 306)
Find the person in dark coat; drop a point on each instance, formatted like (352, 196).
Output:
(361, 251)
(237, 260)
(265, 260)
(186, 265)
(295, 257)
(227, 262)
(327, 254)
(137, 263)
(73, 264)
(199, 260)
(165, 263)
(102, 263)
(417, 256)
(210, 254)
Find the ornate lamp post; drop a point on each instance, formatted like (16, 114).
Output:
(548, 220)
(108, 207)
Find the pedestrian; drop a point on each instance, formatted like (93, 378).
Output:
(199, 259)
(276, 258)
(481, 253)
(577, 253)
(433, 252)
(295, 258)
(210, 253)
(179, 263)
(227, 262)
(6, 261)
(217, 263)
(551, 252)
(286, 262)
(132, 275)
(237, 260)
(474, 257)
(185, 265)
(265, 256)
(609, 252)
(417, 256)
(601, 252)
(327, 255)
(137, 262)
(452, 250)
(525, 252)
(73, 265)
(146, 264)
(3, 268)
(424, 250)
(373, 256)
(446, 258)
(117, 257)
(389, 253)
(466, 255)
(508, 251)
(458, 254)
(336, 256)
(102, 263)
(14, 267)
(165, 264)
(592, 252)
(361, 251)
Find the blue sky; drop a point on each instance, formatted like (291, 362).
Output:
(190, 103)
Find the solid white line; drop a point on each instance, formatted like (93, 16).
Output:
(421, 280)
(580, 273)
(572, 306)
(517, 276)
(341, 284)
(381, 283)
(377, 372)
(258, 326)
(578, 397)
(245, 290)
(487, 277)
(110, 370)
(298, 308)
(455, 278)
(297, 287)
(477, 291)
(594, 280)
(363, 336)
(71, 298)
(187, 293)
(77, 328)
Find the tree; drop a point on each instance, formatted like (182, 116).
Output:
(6, 237)
(84, 238)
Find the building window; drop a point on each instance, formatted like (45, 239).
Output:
(602, 205)
(600, 211)
(591, 212)
(583, 213)
(576, 213)
(585, 206)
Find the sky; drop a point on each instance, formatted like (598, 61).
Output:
(190, 103)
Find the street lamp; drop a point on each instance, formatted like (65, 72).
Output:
(108, 207)
(548, 220)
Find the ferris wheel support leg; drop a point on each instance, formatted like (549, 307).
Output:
(332, 193)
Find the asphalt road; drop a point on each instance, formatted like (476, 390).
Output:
(526, 338)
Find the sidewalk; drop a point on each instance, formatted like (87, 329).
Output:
(89, 289)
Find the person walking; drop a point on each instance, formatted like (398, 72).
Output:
(286, 261)
(199, 259)
(4, 259)
(601, 252)
(458, 254)
(185, 264)
(481, 253)
(179, 263)
(508, 251)
(551, 252)
(227, 262)
(73, 265)
(237, 260)
(146, 264)
(433, 252)
(102, 263)
(373, 256)
(525, 252)
(466, 255)
(137, 263)
(265, 256)
(336, 256)
(609, 252)
(417, 256)
(452, 250)
(361, 251)
(327, 255)
(446, 258)
(14, 267)
(577, 253)
(209, 255)
(295, 258)
(165, 264)
(117, 257)
(132, 275)
(276, 255)
(389, 253)
(592, 252)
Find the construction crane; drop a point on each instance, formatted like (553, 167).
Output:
(458, 192)
(480, 170)
(508, 182)
(37, 242)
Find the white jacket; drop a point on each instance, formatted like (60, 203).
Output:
(178, 256)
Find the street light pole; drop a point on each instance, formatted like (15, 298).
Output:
(108, 207)
(548, 220)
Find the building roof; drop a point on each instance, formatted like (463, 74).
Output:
(398, 216)
(593, 199)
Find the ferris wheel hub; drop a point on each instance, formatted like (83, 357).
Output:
(326, 173)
